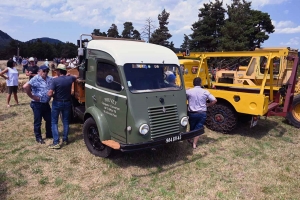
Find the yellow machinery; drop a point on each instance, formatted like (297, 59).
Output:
(263, 96)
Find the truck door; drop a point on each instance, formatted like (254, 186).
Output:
(111, 99)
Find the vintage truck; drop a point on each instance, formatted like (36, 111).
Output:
(124, 97)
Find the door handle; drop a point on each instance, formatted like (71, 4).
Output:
(94, 98)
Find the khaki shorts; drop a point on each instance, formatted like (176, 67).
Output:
(11, 89)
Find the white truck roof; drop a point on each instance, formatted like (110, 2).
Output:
(134, 52)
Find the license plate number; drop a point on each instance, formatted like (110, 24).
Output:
(173, 139)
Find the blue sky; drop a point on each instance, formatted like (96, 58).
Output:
(66, 20)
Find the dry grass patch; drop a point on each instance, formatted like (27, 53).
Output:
(258, 163)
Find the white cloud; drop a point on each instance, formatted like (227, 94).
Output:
(286, 27)
(292, 42)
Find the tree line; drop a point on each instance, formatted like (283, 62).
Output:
(39, 49)
(235, 27)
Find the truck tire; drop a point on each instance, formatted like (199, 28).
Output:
(294, 116)
(92, 140)
(221, 117)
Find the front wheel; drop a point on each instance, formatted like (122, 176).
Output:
(221, 118)
(92, 139)
(294, 116)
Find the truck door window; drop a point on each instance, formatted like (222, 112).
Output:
(105, 69)
(276, 65)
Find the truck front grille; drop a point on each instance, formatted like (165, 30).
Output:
(164, 121)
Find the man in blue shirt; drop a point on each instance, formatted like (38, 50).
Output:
(37, 89)
(197, 98)
(60, 90)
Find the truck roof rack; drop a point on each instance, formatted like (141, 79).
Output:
(95, 37)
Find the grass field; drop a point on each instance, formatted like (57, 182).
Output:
(258, 163)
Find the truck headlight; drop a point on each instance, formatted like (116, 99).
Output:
(144, 129)
(184, 121)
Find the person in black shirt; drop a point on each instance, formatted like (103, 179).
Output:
(32, 69)
(60, 90)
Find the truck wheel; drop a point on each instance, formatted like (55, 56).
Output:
(92, 140)
(221, 118)
(294, 116)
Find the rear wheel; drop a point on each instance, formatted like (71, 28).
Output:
(221, 117)
(92, 139)
(294, 116)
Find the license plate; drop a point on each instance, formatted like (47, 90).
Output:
(173, 139)
(254, 121)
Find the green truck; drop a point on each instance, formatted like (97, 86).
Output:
(124, 96)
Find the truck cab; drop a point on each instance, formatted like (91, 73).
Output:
(130, 102)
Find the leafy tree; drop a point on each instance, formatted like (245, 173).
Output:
(113, 31)
(161, 35)
(98, 33)
(207, 30)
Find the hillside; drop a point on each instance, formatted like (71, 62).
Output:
(4, 39)
(46, 40)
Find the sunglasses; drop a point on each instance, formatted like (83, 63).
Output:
(45, 70)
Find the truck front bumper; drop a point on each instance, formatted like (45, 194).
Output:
(161, 141)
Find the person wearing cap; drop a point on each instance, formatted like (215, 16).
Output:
(12, 80)
(197, 107)
(60, 90)
(171, 80)
(37, 88)
(32, 69)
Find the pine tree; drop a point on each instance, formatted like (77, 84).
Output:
(113, 31)
(186, 40)
(161, 35)
(245, 28)
(130, 32)
(207, 30)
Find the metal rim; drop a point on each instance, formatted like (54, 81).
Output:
(94, 139)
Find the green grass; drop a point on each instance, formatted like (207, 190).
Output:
(258, 163)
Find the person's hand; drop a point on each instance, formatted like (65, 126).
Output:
(36, 98)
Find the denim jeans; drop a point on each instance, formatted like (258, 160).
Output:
(64, 108)
(41, 110)
(196, 120)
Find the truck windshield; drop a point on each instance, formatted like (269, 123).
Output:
(152, 77)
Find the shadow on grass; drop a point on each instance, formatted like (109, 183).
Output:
(163, 158)
(6, 116)
(262, 129)
(75, 133)
(3, 185)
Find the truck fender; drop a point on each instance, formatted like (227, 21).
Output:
(102, 125)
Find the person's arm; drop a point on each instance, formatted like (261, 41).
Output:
(27, 88)
(3, 72)
(50, 93)
(212, 100)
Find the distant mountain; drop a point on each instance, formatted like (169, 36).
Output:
(46, 40)
(4, 39)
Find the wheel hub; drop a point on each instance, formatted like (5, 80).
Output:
(219, 118)
(95, 140)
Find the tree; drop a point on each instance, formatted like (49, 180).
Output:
(98, 33)
(161, 35)
(186, 40)
(245, 28)
(147, 29)
(113, 31)
(207, 30)
(130, 32)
